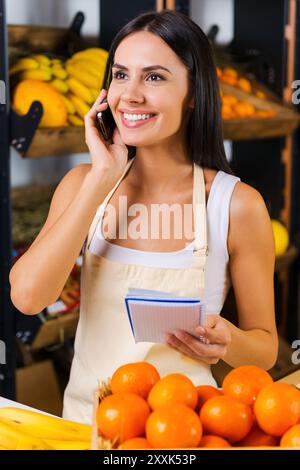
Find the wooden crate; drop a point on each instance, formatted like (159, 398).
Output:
(285, 121)
(27, 39)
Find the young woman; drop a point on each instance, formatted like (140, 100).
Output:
(162, 90)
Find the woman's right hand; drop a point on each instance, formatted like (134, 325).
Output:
(107, 159)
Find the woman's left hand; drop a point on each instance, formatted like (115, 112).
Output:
(216, 335)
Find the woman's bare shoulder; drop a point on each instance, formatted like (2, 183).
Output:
(248, 215)
(63, 195)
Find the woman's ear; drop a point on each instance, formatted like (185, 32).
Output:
(192, 103)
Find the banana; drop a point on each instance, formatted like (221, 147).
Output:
(84, 77)
(80, 106)
(59, 85)
(95, 92)
(79, 90)
(43, 75)
(56, 62)
(59, 72)
(88, 66)
(68, 445)
(42, 59)
(93, 53)
(75, 120)
(69, 105)
(27, 63)
(44, 426)
(13, 438)
(46, 68)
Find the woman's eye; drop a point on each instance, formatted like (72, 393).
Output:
(117, 75)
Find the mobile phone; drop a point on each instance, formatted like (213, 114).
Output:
(106, 123)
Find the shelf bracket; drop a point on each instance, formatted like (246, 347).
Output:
(23, 127)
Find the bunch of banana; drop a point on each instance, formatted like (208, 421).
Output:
(78, 80)
(25, 429)
(85, 76)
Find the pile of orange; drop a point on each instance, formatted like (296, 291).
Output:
(232, 107)
(145, 411)
(232, 77)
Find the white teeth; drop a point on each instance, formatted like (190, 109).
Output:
(137, 117)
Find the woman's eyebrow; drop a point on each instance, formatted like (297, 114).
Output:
(145, 69)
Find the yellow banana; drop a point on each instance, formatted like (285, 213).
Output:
(13, 438)
(75, 120)
(59, 85)
(39, 74)
(27, 63)
(88, 65)
(95, 92)
(92, 53)
(59, 72)
(68, 445)
(69, 105)
(84, 77)
(44, 426)
(56, 62)
(79, 90)
(42, 59)
(80, 106)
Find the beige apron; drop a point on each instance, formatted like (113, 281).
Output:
(104, 340)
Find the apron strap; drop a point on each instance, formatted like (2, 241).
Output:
(102, 206)
(199, 211)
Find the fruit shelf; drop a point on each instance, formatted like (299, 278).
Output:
(69, 140)
(284, 121)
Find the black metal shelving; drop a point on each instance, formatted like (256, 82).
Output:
(7, 316)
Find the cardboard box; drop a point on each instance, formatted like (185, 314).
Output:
(37, 386)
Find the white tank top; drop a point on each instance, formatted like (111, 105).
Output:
(217, 278)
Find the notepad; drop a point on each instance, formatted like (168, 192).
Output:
(152, 314)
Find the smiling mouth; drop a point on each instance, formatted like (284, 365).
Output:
(132, 123)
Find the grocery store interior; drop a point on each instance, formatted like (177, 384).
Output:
(257, 51)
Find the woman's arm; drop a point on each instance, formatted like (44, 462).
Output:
(39, 275)
(252, 259)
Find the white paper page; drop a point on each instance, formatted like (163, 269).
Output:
(147, 293)
(151, 321)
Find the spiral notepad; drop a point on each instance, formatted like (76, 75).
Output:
(153, 314)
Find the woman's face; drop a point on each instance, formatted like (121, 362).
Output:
(158, 91)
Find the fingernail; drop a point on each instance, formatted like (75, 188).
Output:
(200, 330)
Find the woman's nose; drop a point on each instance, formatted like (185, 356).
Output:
(133, 92)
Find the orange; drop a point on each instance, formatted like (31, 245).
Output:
(205, 392)
(244, 85)
(291, 438)
(226, 417)
(171, 389)
(122, 416)
(173, 426)
(230, 72)
(257, 438)
(135, 444)
(277, 408)
(213, 442)
(244, 383)
(244, 109)
(136, 377)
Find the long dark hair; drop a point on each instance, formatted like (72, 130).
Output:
(188, 41)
